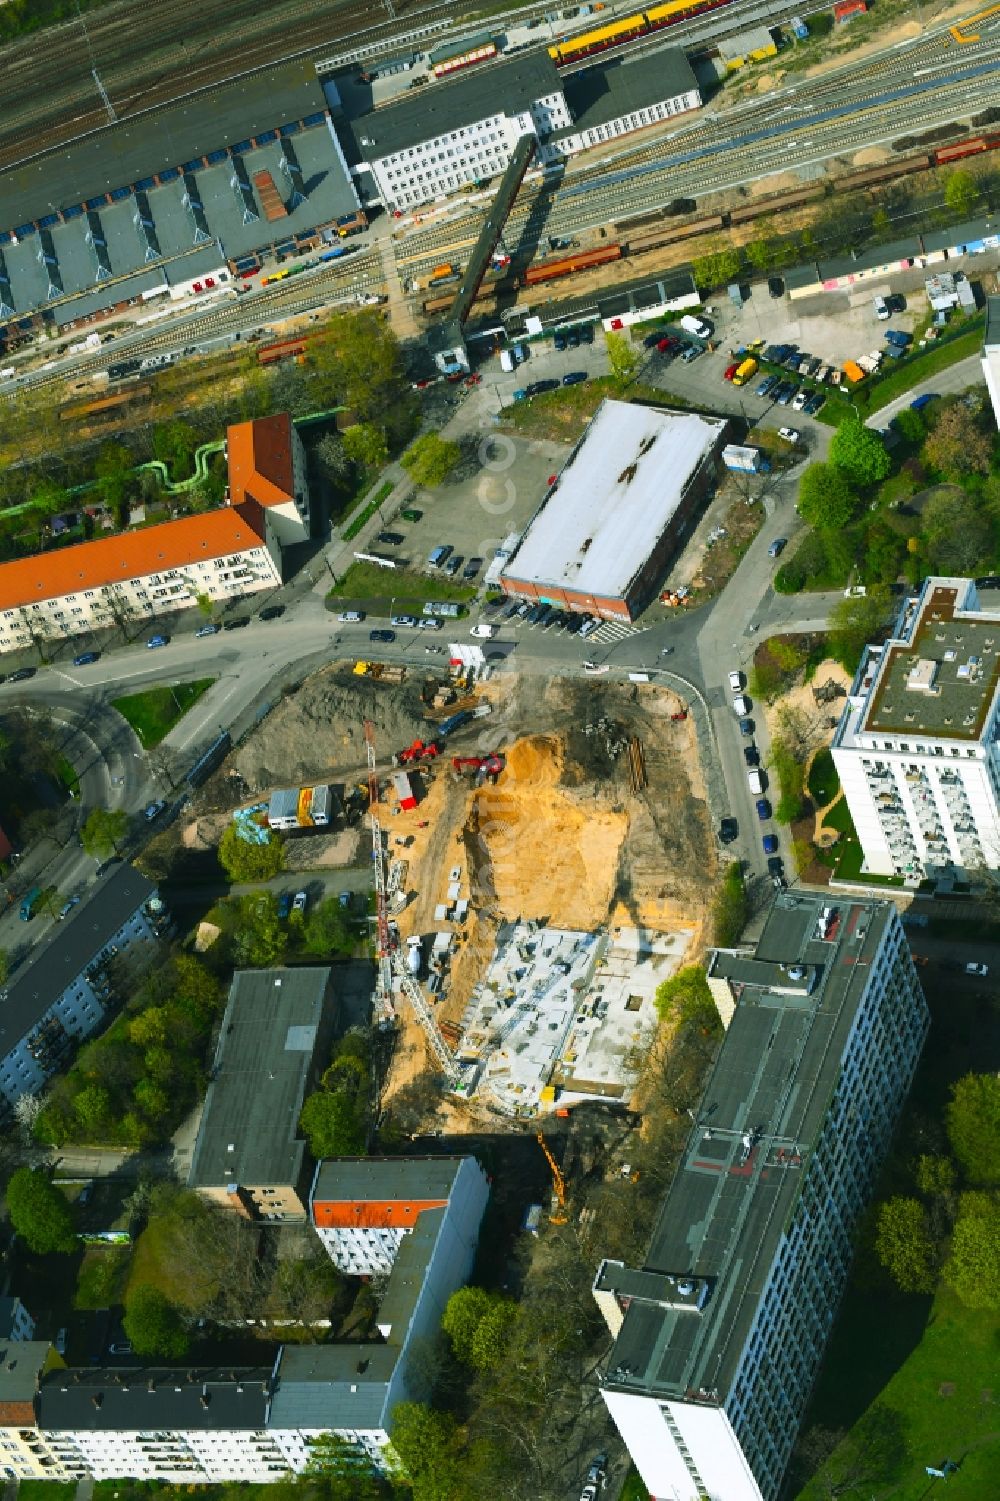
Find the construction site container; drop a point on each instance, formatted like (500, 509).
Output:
(299, 808)
(745, 460)
(404, 790)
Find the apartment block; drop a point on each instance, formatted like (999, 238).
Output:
(211, 1424)
(134, 577)
(61, 996)
(917, 748)
(267, 466)
(719, 1335)
(274, 1044)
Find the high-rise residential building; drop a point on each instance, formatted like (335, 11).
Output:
(917, 748)
(720, 1333)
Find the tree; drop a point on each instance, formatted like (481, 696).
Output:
(39, 1212)
(361, 363)
(346, 1471)
(27, 1109)
(49, 499)
(730, 909)
(261, 937)
(973, 1268)
(826, 499)
(957, 443)
(903, 1244)
(427, 1442)
(760, 253)
(910, 425)
(856, 621)
(972, 1118)
(477, 1323)
(243, 861)
(174, 444)
(718, 268)
(365, 444)
(859, 453)
(623, 359)
(333, 457)
(935, 1175)
(112, 470)
(430, 459)
(326, 930)
(103, 831)
(957, 535)
(687, 998)
(332, 1125)
(961, 192)
(153, 1325)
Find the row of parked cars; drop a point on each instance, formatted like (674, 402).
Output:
(789, 393)
(756, 780)
(671, 347)
(536, 387)
(546, 617)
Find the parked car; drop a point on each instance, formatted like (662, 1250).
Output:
(345, 898)
(153, 641)
(351, 617)
(776, 867)
(730, 370)
(386, 636)
(691, 353)
(471, 568)
(272, 612)
(410, 513)
(652, 340)
(211, 629)
(236, 623)
(22, 674)
(453, 564)
(284, 904)
(775, 286)
(746, 726)
(67, 907)
(589, 626)
(763, 809)
(574, 378)
(85, 658)
(814, 403)
(391, 539)
(300, 901)
(785, 393)
(428, 623)
(537, 387)
(440, 555)
(728, 830)
(790, 434)
(559, 341)
(799, 399)
(735, 681)
(770, 842)
(586, 334)
(977, 969)
(153, 810)
(405, 620)
(751, 755)
(766, 386)
(923, 401)
(777, 547)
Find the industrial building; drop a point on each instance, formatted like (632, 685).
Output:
(618, 510)
(274, 1044)
(166, 196)
(718, 1336)
(624, 95)
(435, 141)
(212, 1425)
(61, 995)
(560, 1016)
(917, 747)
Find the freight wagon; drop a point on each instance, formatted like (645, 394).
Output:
(105, 404)
(568, 264)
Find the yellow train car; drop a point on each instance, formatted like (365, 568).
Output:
(573, 48)
(679, 10)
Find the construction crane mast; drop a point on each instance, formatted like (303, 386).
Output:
(384, 1008)
(559, 1215)
(391, 964)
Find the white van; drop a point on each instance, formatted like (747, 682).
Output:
(741, 705)
(696, 326)
(506, 360)
(736, 681)
(881, 310)
(756, 782)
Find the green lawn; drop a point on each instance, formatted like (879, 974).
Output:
(154, 713)
(906, 374)
(45, 1490)
(562, 415)
(66, 773)
(933, 1372)
(366, 582)
(359, 519)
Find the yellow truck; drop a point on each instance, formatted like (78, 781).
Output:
(746, 372)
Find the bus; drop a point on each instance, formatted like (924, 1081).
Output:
(30, 902)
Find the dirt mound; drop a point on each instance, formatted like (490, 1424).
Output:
(538, 849)
(318, 732)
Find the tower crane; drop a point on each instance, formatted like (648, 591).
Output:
(558, 1215)
(391, 964)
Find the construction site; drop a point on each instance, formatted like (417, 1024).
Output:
(541, 856)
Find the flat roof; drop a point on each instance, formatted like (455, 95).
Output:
(991, 338)
(613, 499)
(332, 1387)
(870, 260)
(727, 1208)
(21, 1364)
(276, 1023)
(502, 88)
(940, 677)
(754, 39)
(384, 1180)
(967, 233)
(70, 949)
(145, 144)
(597, 95)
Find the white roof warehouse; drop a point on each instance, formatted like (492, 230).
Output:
(605, 531)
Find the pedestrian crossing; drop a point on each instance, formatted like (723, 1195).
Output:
(613, 631)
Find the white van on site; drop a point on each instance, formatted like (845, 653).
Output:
(696, 326)
(741, 706)
(756, 782)
(506, 360)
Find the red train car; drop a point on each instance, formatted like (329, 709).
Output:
(285, 349)
(566, 265)
(972, 147)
